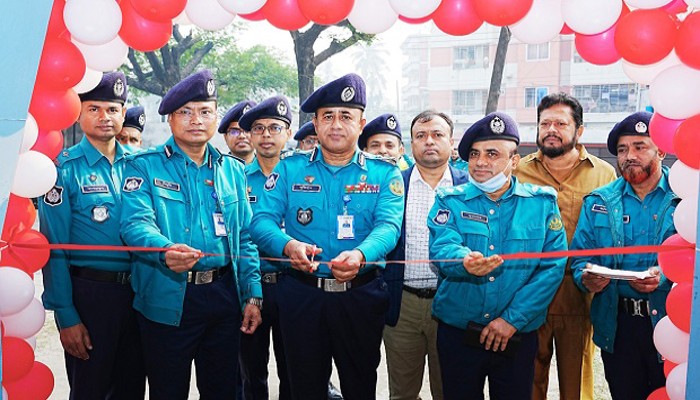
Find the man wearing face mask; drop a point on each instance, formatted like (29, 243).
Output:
(489, 310)
(382, 137)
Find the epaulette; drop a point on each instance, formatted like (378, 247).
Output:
(371, 156)
(450, 190)
(295, 152)
(69, 154)
(538, 190)
(240, 160)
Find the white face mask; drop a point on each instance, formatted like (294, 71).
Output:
(492, 184)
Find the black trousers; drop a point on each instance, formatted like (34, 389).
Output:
(465, 368)
(319, 327)
(633, 370)
(115, 369)
(255, 351)
(209, 334)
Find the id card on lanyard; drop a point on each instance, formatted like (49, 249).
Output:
(346, 223)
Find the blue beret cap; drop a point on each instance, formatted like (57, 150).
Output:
(636, 124)
(385, 123)
(305, 130)
(495, 126)
(346, 91)
(199, 86)
(235, 114)
(135, 118)
(276, 107)
(112, 87)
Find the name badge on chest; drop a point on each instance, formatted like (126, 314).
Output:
(219, 225)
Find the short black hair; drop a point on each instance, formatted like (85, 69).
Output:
(565, 99)
(428, 115)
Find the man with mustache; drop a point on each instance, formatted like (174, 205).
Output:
(237, 139)
(636, 209)
(564, 164)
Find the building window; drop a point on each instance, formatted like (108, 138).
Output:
(537, 52)
(577, 58)
(469, 102)
(533, 95)
(466, 57)
(607, 98)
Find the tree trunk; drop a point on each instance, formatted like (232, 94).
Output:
(499, 63)
(306, 69)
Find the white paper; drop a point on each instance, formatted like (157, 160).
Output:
(617, 273)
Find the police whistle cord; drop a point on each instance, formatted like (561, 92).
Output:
(606, 251)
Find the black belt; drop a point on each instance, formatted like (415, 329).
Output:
(332, 285)
(208, 276)
(269, 277)
(423, 293)
(634, 307)
(98, 275)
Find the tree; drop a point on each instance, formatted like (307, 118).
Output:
(499, 63)
(308, 60)
(371, 63)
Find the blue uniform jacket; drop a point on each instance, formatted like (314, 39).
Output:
(601, 225)
(156, 217)
(82, 208)
(393, 273)
(309, 195)
(525, 219)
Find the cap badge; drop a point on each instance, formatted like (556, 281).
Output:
(497, 126)
(246, 109)
(118, 87)
(348, 94)
(391, 123)
(281, 108)
(142, 119)
(640, 127)
(210, 87)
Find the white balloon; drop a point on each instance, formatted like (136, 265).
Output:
(182, 19)
(30, 134)
(92, 21)
(674, 92)
(26, 323)
(541, 24)
(372, 16)
(104, 57)
(591, 17)
(671, 342)
(675, 382)
(31, 341)
(645, 74)
(648, 4)
(34, 176)
(90, 81)
(242, 6)
(4, 394)
(208, 14)
(414, 8)
(684, 180)
(693, 3)
(16, 290)
(685, 218)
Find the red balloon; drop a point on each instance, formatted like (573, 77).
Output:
(502, 12)
(28, 259)
(678, 305)
(598, 49)
(21, 215)
(140, 33)
(326, 12)
(457, 17)
(688, 42)
(662, 130)
(284, 14)
(565, 30)
(62, 65)
(659, 394)
(668, 366)
(36, 385)
(56, 26)
(49, 143)
(254, 16)
(645, 36)
(416, 20)
(159, 10)
(54, 109)
(677, 265)
(686, 142)
(17, 358)
(675, 7)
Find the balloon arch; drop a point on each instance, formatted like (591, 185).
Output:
(658, 42)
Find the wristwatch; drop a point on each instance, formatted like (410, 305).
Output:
(256, 301)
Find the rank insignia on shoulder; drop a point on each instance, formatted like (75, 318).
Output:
(132, 184)
(441, 217)
(271, 181)
(599, 208)
(100, 213)
(555, 224)
(396, 187)
(54, 196)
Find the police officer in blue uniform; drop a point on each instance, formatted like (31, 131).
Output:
(89, 291)
(238, 139)
(134, 122)
(189, 198)
(489, 310)
(306, 137)
(382, 137)
(635, 209)
(342, 212)
(268, 123)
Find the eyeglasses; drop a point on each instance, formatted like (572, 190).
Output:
(236, 132)
(188, 114)
(260, 129)
(310, 141)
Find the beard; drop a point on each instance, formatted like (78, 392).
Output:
(554, 152)
(636, 173)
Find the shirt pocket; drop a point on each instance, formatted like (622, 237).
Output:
(520, 239)
(100, 207)
(475, 235)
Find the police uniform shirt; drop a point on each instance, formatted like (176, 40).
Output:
(310, 195)
(83, 207)
(525, 219)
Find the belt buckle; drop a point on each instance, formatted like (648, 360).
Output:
(332, 285)
(202, 277)
(637, 307)
(124, 278)
(270, 277)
